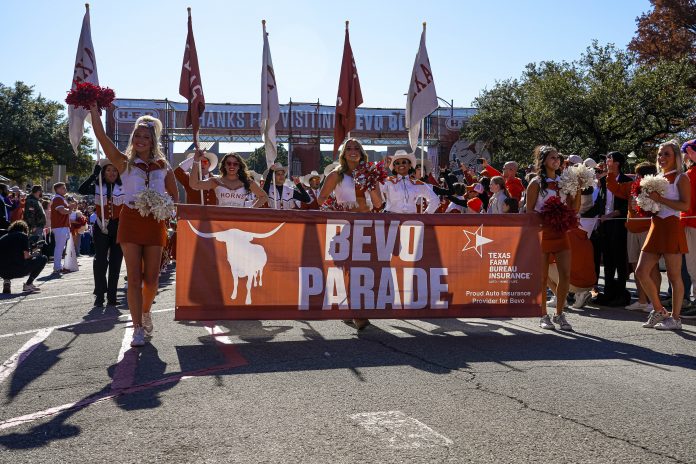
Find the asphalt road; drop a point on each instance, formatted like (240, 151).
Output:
(446, 390)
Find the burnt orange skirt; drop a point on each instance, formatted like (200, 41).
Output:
(146, 231)
(582, 271)
(553, 241)
(666, 236)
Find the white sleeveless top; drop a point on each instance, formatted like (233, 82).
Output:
(545, 195)
(672, 193)
(345, 192)
(240, 197)
(135, 180)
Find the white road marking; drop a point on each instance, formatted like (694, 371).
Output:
(127, 361)
(26, 300)
(397, 430)
(11, 365)
(72, 324)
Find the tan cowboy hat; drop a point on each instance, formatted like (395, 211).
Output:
(305, 179)
(330, 168)
(402, 154)
(212, 157)
(104, 162)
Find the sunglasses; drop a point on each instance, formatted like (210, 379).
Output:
(401, 163)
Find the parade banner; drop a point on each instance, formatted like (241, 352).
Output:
(240, 263)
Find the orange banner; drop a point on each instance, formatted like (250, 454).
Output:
(240, 263)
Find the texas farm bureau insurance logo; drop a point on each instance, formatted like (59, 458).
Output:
(501, 267)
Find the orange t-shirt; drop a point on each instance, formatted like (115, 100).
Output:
(57, 219)
(623, 190)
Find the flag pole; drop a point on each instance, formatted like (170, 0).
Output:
(423, 138)
(195, 140)
(101, 184)
(348, 134)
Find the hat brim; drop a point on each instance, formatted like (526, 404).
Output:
(211, 157)
(308, 177)
(408, 156)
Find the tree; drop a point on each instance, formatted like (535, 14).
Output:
(34, 136)
(601, 102)
(667, 32)
(257, 159)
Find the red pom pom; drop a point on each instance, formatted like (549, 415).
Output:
(331, 205)
(367, 175)
(85, 93)
(558, 215)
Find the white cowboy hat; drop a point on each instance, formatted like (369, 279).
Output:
(401, 154)
(212, 157)
(278, 167)
(330, 168)
(305, 179)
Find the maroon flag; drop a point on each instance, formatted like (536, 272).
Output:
(190, 85)
(349, 96)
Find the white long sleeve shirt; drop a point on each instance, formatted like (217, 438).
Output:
(402, 195)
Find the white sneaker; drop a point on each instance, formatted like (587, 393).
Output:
(638, 306)
(581, 299)
(138, 337)
(669, 324)
(654, 319)
(545, 323)
(31, 288)
(147, 324)
(551, 303)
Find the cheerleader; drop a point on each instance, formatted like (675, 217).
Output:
(340, 183)
(283, 196)
(553, 243)
(142, 238)
(402, 191)
(108, 255)
(234, 186)
(666, 238)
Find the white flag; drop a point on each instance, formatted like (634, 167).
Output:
(422, 98)
(270, 108)
(85, 71)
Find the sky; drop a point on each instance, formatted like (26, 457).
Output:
(139, 45)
